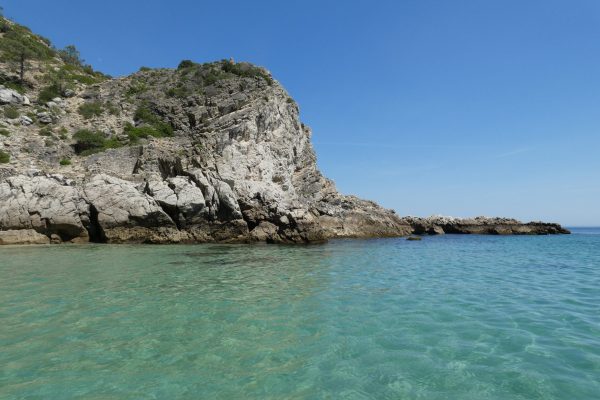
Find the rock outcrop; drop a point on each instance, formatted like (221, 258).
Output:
(204, 152)
(437, 225)
(9, 96)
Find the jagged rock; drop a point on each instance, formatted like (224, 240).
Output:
(44, 204)
(180, 198)
(25, 120)
(239, 167)
(44, 117)
(265, 232)
(10, 96)
(122, 213)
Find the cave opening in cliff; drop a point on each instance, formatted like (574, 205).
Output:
(95, 231)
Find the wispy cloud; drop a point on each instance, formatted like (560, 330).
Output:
(387, 145)
(512, 153)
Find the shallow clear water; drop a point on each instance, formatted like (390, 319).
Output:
(449, 317)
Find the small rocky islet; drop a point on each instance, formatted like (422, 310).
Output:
(212, 152)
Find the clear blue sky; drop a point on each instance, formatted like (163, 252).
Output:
(462, 107)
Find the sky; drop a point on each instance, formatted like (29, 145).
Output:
(460, 108)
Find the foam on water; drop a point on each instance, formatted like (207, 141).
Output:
(452, 317)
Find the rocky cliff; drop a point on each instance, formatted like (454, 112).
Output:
(204, 152)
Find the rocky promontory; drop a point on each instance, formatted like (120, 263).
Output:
(200, 153)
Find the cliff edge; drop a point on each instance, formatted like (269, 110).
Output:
(204, 152)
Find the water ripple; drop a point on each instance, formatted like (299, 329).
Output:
(461, 317)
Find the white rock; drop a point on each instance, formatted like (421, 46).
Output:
(25, 120)
(10, 96)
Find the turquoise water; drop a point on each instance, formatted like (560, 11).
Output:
(449, 317)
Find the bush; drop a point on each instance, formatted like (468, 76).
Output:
(136, 88)
(11, 112)
(112, 109)
(246, 70)
(49, 92)
(62, 133)
(90, 110)
(136, 133)
(178, 91)
(46, 131)
(145, 117)
(145, 69)
(4, 157)
(65, 161)
(4, 132)
(70, 55)
(11, 84)
(90, 142)
(185, 64)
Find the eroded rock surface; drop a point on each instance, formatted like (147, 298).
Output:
(235, 165)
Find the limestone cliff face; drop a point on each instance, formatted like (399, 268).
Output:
(204, 152)
(238, 166)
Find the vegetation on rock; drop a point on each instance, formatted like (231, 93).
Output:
(4, 157)
(148, 124)
(90, 110)
(11, 112)
(90, 142)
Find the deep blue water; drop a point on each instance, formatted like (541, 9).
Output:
(449, 317)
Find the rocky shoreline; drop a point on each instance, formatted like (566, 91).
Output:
(211, 152)
(43, 209)
(247, 173)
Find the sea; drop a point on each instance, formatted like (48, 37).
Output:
(447, 317)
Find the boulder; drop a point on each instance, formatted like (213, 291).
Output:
(25, 120)
(117, 204)
(44, 117)
(10, 96)
(23, 236)
(45, 204)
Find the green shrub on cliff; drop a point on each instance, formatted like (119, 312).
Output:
(4, 157)
(49, 92)
(246, 70)
(185, 64)
(90, 142)
(149, 124)
(90, 110)
(11, 112)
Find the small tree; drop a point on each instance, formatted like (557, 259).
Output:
(185, 64)
(71, 55)
(20, 55)
(19, 48)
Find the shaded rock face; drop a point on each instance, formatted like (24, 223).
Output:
(239, 167)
